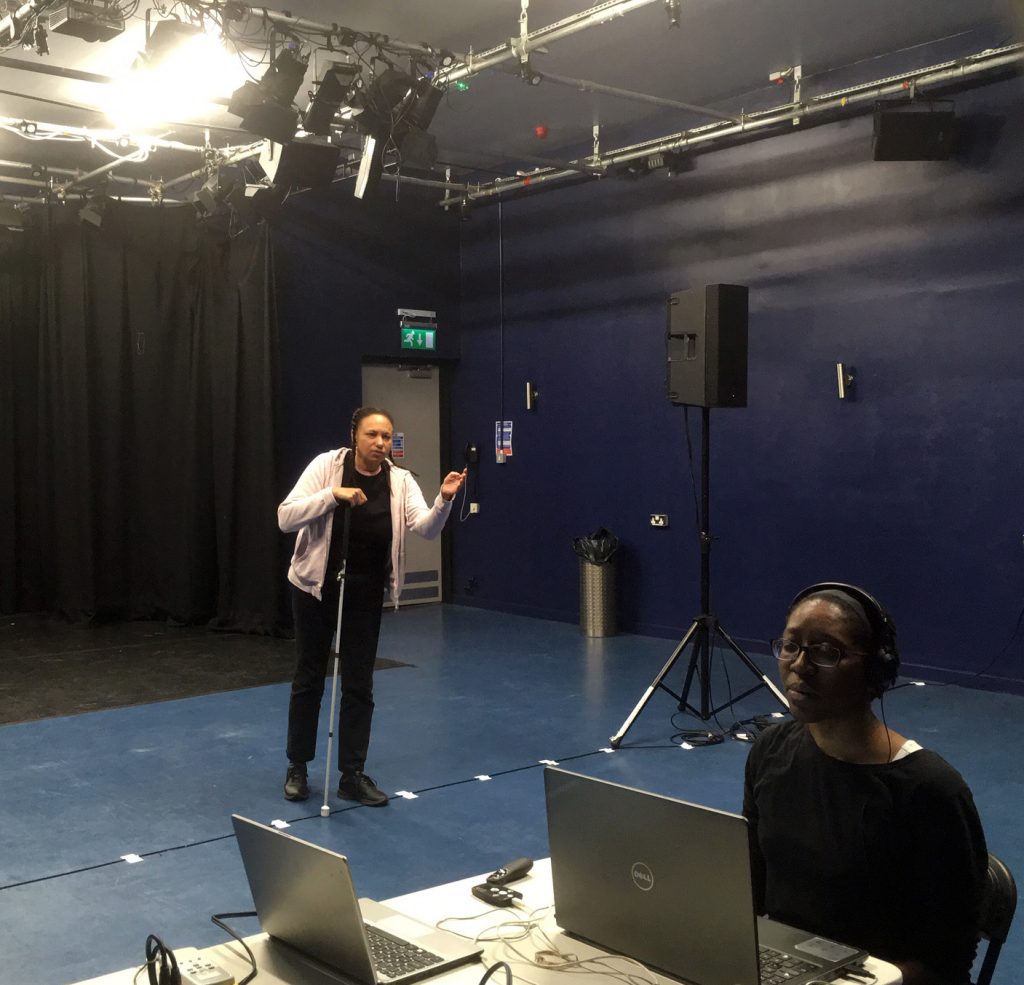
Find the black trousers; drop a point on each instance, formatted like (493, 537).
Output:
(315, 622)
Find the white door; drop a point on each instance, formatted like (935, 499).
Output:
(411, 395)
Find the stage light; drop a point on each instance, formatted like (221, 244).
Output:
(417, 147)
(92, 211)
(673, 8)
(389, 101)
(210, 198)
(182, 68)
(266, 107)
(529, 76)
(371, 166)
(341, 88)
(388, 97)
(11, 216)
(300, 163)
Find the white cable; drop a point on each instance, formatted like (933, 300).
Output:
(550, 958)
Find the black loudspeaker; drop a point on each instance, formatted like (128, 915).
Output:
(918, 132)
(706, 346)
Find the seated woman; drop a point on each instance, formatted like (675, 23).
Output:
(857, 833)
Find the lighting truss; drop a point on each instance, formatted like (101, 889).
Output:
(973, 70)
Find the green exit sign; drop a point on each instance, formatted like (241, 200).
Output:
(423, 339)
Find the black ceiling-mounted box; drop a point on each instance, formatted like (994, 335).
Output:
(86, 20)
(914, 132)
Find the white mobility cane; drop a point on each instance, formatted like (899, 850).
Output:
(325, 810)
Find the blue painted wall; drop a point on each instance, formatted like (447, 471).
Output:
(343, 267)
(910, 272)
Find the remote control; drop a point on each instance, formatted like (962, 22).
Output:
(196, 970)
(496, 895)
(510, 872)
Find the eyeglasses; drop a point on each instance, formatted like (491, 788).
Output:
(819, 654)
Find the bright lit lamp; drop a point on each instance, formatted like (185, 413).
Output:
(181, 70)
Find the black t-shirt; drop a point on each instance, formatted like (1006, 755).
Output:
(889, 857)
(369, 538)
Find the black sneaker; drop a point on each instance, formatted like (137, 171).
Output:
(295, 786)
(358, 786)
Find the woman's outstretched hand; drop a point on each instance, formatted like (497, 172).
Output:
(452, 484)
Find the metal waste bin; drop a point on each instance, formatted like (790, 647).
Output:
(597, 598)
(597, 582)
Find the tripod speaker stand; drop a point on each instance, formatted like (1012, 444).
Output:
(703, 631)
(707, 353)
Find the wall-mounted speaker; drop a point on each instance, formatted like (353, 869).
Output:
(706, 346)
(914, 132)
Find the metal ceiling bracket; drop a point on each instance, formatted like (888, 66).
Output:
(520, 46)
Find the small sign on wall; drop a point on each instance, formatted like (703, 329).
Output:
(398, 445)
(503, 439)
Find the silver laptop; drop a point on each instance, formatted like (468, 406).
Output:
(305, 898)
(668, 883)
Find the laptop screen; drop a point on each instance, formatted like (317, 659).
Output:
(304, 896)
(654, 878)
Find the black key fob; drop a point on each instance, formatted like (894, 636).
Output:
(496, 895)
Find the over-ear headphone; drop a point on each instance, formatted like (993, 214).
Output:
(884, 665)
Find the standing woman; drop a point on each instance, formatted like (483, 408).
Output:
(858, 833)
(384, 501)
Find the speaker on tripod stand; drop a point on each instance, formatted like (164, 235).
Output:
(706, 353)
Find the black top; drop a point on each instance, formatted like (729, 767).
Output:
(888, 857)
(369, 546)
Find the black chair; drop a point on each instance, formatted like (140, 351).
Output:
(997, 909)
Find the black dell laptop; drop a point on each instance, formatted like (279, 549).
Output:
(668, 883)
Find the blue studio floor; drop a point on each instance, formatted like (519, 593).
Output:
(488, 695)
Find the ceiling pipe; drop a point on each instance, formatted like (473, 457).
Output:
(584, 85)
(961, 74)
(409, 179)
(7, 179)
(106, 136)
(137, 158)
(83, 196)
(286, 21)
(241, 154)
(573, 24)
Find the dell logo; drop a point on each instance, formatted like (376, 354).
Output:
(643, 878)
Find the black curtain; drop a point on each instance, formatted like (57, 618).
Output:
(138, 394)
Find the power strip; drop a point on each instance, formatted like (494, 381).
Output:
(197, 970)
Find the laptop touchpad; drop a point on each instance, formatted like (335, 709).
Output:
(402, 926)
(826, 950)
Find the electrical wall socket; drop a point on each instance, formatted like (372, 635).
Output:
(474, 507)
(659, 519)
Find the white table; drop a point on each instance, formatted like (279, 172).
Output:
(281, 966)
(456, 899)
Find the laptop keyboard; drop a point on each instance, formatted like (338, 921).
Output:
(393, 957)
(778, 967)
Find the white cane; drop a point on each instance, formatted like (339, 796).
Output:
(325, 810)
